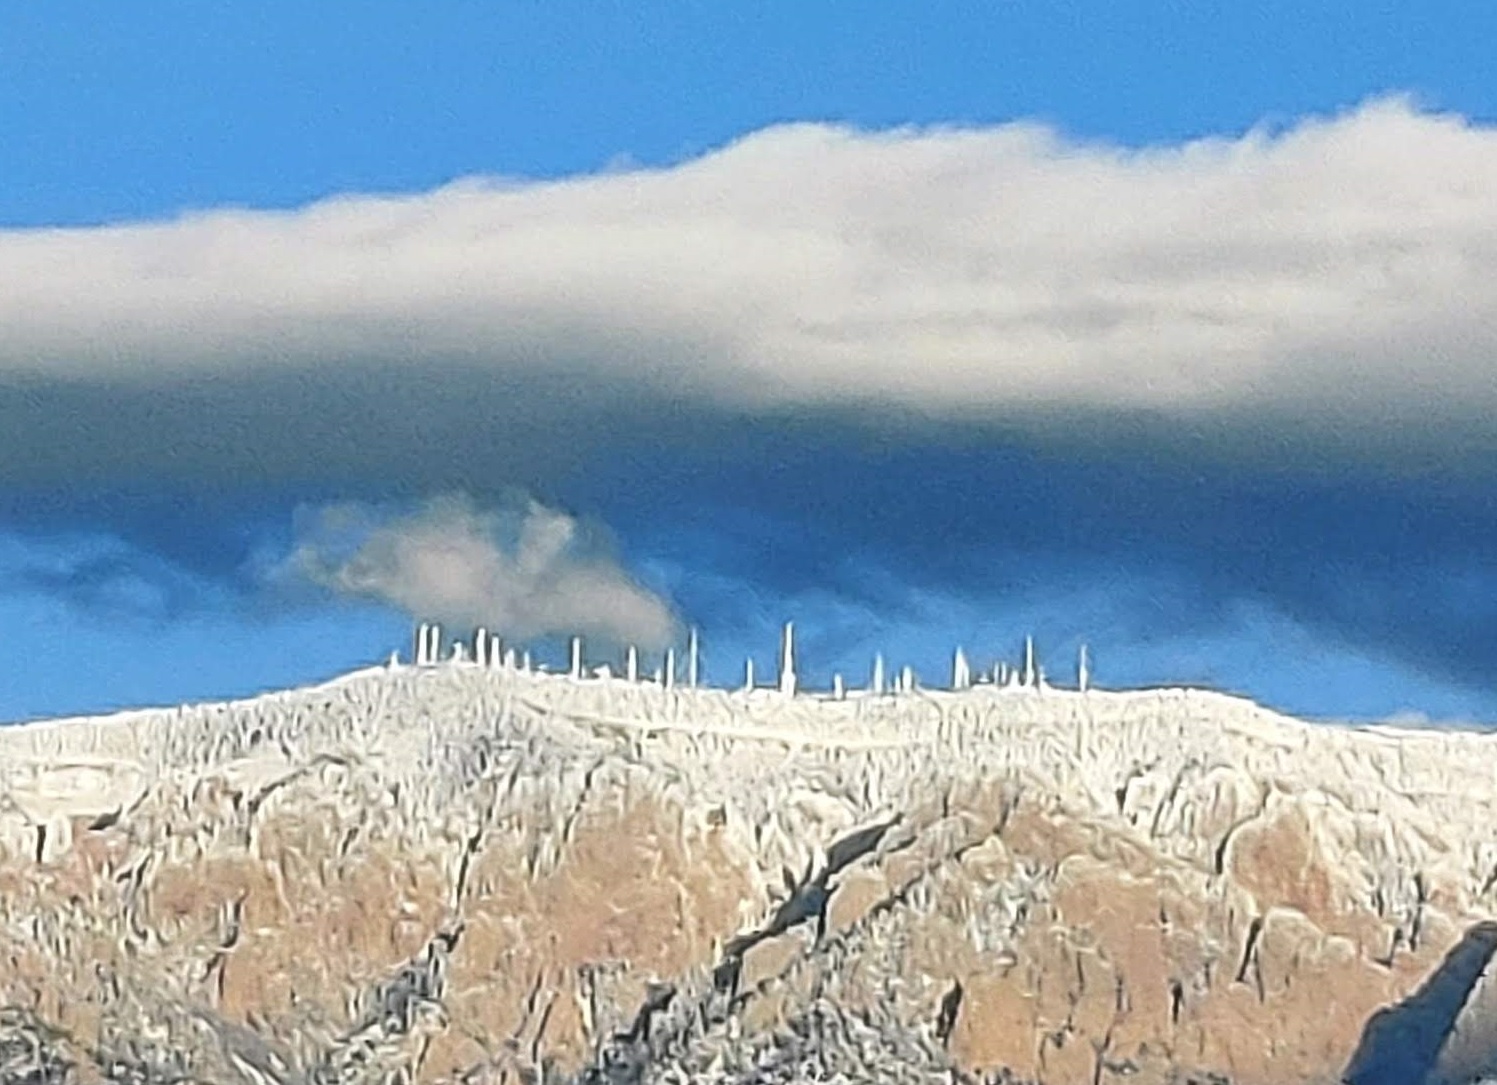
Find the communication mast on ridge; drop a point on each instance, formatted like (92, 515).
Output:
(429, 644)
(487, 650)
(787, 661)
(961, 673)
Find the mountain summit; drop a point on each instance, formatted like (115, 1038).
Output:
(472, 872)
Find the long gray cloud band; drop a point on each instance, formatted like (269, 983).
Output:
(1337, 279)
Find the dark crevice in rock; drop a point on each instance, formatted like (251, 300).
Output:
(1255, 928)
(807, 900)
(951, 1007)
(658, 997)
(1416, 924)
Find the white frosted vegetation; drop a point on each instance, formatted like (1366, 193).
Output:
(441, 759)
(1189, 764)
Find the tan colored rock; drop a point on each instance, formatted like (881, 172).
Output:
(767, 960)
(997, 1028)
(855, 896)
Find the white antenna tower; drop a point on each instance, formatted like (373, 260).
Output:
(961, 673)
(787, 661)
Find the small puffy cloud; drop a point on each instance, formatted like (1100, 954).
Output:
(1333, 281)
(524, 571)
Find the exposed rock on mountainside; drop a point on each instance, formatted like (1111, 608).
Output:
(462, 873)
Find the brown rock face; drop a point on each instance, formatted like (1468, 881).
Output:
(462, 874)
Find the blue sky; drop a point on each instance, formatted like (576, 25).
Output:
(757, 372)
(111, 113)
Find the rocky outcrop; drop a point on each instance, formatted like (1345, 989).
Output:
(459, 873)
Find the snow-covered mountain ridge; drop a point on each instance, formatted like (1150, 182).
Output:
(1048, 884)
